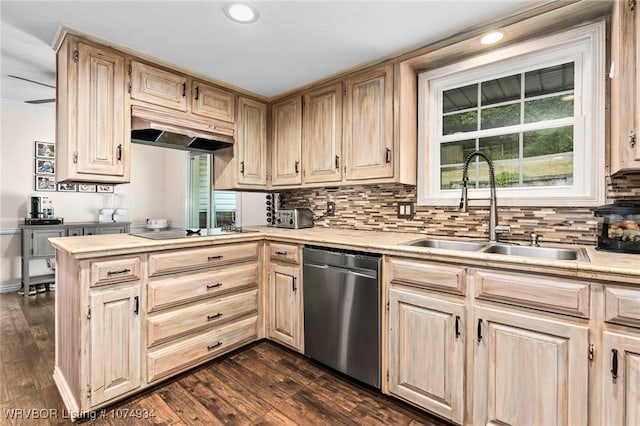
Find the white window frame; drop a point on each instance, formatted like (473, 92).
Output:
(585, 46)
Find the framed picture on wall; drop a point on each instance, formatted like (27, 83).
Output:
(45, 183)
(82, 187)
(45, 150)
(105, 188)
(45, 166)
(67, 187)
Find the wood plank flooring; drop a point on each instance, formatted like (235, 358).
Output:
(262, 384)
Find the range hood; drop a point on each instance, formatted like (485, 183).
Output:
(175, 130)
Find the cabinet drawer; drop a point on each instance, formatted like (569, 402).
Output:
(622, 305)
(184, 353)
(164, 326)
(184, 260)
(450, 279)
(114, 271)
(284, 252)
(174, 290)
(538, 292)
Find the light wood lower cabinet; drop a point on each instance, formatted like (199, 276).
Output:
(621, 376)
(426, 351)
(529, 370)
(115, 342)
(285, 305)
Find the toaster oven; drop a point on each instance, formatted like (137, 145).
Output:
(293, 218)
(619, 227)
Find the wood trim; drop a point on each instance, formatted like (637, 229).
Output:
(557, 295)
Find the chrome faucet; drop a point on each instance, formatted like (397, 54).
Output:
(494, 229)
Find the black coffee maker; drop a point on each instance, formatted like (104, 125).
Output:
(36, 206)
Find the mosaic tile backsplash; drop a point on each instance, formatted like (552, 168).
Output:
(374, 207)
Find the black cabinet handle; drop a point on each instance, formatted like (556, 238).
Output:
(457, 326)
(337, 162)
(242, 168)
(479, 330)
(215, 345)
(210, 258)
(184, 89)
(216, 285)
(197, 93)
(281, 253)
(296, 166)
(119, 152)
(212, 317)
(122, 271)
(293, 284)
(136, 305)
(387, 156)
(614, 363)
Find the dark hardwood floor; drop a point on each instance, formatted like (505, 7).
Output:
(262, 384)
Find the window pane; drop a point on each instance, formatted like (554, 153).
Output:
(548, 157)
(462, 122)
(548, 108)
(507, 115)
(507, 173)
(501, 90)
(549, 80)
(452, 155)
(460, 98)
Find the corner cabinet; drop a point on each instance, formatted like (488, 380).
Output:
(115, 342)
(625, 87)
(368, 126)
(322, 134)
(93, 123)
(286, 142)
(244, 166)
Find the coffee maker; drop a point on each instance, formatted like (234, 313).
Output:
(36, 206)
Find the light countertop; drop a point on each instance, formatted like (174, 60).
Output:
(601, 265)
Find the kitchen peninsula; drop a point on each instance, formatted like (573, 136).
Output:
(131, 312)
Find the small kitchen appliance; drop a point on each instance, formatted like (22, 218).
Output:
(619, 227)
(40, 211)
(36, 206)
(293, 218)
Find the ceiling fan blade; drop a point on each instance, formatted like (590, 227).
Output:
(31, 81)
(40, 101)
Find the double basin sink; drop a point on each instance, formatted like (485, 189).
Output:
(504, 249)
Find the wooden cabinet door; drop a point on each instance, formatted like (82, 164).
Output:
(158, 87)
(529, 370)
(625, 87)
(322, 134)
(368, 127)
(426, 352)
(102, 120)
(115, 342)
(40, 245)
(286, 142)
(213, 102)
(251, 142)
(621, 376)
(285, 303)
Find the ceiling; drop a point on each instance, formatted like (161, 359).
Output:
(292, 43)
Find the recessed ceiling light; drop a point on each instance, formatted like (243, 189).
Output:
(491, 38)
(241, 12)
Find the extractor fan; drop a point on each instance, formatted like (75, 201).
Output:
(35, 101)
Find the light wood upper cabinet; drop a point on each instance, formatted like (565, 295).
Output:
(92, 118)
(625, 87)
(157, 86)
(368, 126)
(426, 351)
(285, 306)
(251, 142)
(322, 134)
(529, 370)
(212, 102)
(621, 376)
(115, 342)
(286, 142)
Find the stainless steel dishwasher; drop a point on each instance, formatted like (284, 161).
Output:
(342, 311)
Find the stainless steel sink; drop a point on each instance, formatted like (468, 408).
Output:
(448, 244)
(538, 252)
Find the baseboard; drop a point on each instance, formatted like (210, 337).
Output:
(10, 288)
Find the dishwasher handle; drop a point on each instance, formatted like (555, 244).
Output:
(367, 273)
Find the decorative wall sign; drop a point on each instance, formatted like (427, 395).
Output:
(83, 187)
(67, 187)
